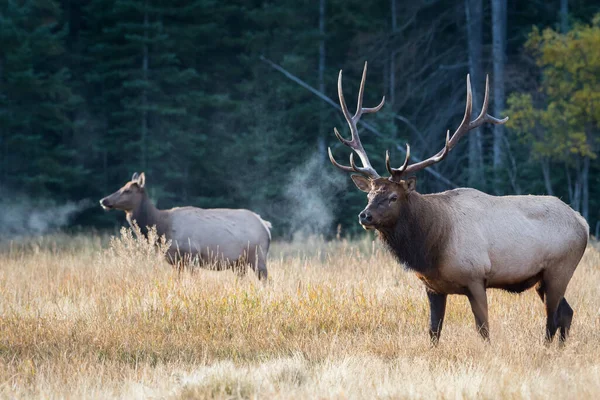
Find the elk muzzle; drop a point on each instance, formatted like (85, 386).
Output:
(365, 218)
(105, 203)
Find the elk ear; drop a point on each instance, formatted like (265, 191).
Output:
(361, 182)
(410, 184)
(134, 177)
(141, 180)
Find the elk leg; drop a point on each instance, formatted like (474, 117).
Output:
(261, 271)
(178, 264)
(551, 325)
(540, 290)
(555, 291)
(259, 265)
(240, 267)
(565, 316)
(561, 319)
(437, 310)
(478, 299)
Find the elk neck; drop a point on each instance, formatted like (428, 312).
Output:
(147, 215)
(420, 236)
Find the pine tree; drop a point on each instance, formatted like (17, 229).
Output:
(36, 101)
(148, 101)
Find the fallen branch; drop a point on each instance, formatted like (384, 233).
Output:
(366, 125)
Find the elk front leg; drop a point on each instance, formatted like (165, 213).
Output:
(478, 300)
(437, 310)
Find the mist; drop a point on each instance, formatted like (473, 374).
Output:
(22, 216)
(310, 194)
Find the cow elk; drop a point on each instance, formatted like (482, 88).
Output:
(220, 237)
(463, 241)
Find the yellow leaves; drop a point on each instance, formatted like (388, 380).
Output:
(561, 125)
(523, 115)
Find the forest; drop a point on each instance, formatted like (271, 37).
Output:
(199, 95)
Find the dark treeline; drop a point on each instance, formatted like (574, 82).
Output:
(94, 90)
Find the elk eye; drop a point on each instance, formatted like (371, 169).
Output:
(393, 198)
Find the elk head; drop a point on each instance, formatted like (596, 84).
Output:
(128, 197)
(388, 196)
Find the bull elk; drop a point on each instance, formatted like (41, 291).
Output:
(222, 237)
(463, 241)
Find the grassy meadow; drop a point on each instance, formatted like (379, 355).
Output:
(86, 317)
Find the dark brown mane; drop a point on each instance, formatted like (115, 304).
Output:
(419, 237)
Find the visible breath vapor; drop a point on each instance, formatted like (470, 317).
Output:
(310, 194)
(22, 216)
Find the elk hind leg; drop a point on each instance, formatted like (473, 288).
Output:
(564, 318)
(558, 312)
(260, 267)
(478, 299)
(176, 262)
(240, 267)
(258, 263)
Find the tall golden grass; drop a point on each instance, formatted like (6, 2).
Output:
(85, 317)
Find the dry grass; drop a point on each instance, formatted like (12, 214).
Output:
(338, 320)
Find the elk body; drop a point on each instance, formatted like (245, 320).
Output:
(463, 241)
(224, 238)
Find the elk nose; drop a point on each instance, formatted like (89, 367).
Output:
(365, 217)
(104, 203)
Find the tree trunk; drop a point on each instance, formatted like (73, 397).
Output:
(570, 187)
(576, 204)
(3, 145)
(585, 190)
(144, 133)
(564, 16)
(547, 180)
(474, 19)
(512, 169)
(321, 147)
(392, 78)
(576, 201)
(106, 185)
(499, 60)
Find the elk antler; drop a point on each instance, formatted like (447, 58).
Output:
(355, 144)
(465, 126)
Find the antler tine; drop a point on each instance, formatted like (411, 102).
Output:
(374, 109)
(465, 126)
(343, 100)
(354, 167)
(483, 115)
(361, 92)
(340, 137)
(388, 165)
(466, 121)
(444, 152)
(340, 166)
(354, 143)
(486, 99)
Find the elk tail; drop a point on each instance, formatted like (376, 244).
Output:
(583, 223)
(266, 224)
